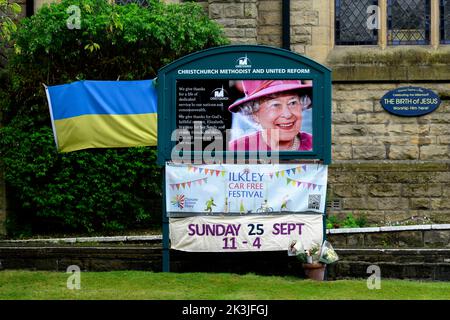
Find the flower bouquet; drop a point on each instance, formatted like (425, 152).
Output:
(327, 254)
(314, 259)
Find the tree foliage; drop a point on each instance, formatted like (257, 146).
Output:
(91, 190)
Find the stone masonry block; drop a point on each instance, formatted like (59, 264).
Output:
(341, 152)
(352, 94)
(422, 190)
(269, 30)
(419, 129)
(359, 204)
(301, 31)
(391, 140)
(350, 106)
(437, 238)
(250, 10)
(393, 216)
(419, 203)
(234, 32)
(350, 130)
(355, 141)
(446, 190)
(355, 240)
(321, 35)
(392, 203)
(439, 216)
(410, 239)
(250, 33)
(443, 139)
(373, 118)
(369, 152)
(384, 189)
(399, 120)
(444, 107)
(338, 240)
(270, 5)
(431, 152)
(269, 39)
(440, 129)
(233, 10)
(382, 239)
(298, 48)
(216, 10)
(373, 217)
(270, 18)
(394, 129)
(348, 191)
(227, 22)
(245, 23)
(440, 203)
(309, 17)
(442, 177)
(406, 177)
(242, 40)
(376, 129)
(301, 5)
(423, 140)
(301, 39)
(439, 118)
(403, 152)
(344, 118)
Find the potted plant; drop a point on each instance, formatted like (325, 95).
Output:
(314, 269)
(315, 259)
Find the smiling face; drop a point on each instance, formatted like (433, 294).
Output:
(282, 112)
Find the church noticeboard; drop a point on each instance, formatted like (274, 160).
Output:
(222, 115)
(214, 91)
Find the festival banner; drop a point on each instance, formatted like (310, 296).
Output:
(248, 233)
(230, 190)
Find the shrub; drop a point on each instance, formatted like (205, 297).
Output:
(92, 190)
(348, 222)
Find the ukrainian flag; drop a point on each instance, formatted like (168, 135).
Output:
(103, 114)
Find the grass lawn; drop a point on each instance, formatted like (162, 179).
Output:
(205, 286)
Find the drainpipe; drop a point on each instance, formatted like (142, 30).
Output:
(29, 8)
(286, 24)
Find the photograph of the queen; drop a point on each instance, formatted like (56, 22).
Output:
(270, 116)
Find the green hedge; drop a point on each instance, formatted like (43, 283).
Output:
(97, 190)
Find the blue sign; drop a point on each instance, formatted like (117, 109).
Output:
(410, 101)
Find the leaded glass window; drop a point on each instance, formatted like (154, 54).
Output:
(445, 21)
(351, 23)
(408, 22)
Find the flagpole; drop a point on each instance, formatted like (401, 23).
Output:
(52, 119)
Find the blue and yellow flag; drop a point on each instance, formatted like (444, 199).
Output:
(103, 114)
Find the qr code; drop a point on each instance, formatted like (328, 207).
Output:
(314, 201)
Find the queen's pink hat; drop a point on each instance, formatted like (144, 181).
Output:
(254, 89)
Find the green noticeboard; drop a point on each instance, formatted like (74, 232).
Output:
(243, 105)
(257, 98)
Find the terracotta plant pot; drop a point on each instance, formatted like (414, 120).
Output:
(315, 271)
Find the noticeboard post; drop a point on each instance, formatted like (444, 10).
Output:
(244, 135)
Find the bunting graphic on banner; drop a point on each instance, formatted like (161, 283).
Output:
(303, 184)
(290, 171)
(183, 185)
(206, 171)
(214, 172)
